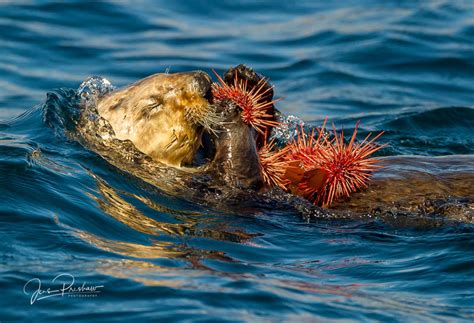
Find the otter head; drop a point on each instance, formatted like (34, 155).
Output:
(163, 115)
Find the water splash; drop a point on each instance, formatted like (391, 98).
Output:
(287, 130)
(93, 88)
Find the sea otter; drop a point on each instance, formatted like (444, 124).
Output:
(219, 150)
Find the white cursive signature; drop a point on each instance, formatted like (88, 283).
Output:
(64, 284)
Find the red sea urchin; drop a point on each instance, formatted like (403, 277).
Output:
(274, 165)
(306, 147)
(251, 101)
(347, 167)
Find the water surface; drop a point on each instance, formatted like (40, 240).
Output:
(405, 67)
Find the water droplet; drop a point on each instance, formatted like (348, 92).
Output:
(93, 88)
(287, 129)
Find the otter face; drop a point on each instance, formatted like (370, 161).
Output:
(163, 115)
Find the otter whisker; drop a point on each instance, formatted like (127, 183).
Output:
(208, 118)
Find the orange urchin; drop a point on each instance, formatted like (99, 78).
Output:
(254, 109)
(273, 164)
(306, 178)
(306, 147)
(347, 167)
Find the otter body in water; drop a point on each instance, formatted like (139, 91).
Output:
(418, 185)
(160, 116)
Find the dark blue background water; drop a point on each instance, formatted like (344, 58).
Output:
(406, 67)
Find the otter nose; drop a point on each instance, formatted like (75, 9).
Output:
(200, 82)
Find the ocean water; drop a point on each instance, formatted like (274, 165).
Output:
(136, 252)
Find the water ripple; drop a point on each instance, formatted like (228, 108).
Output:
(404, 67)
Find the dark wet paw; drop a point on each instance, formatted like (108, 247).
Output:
(244, 72)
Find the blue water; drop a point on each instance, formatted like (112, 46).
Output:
(406, 67)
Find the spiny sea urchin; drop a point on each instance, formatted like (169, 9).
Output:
(322, 167)
(347, 167)
(250, 100)
(274, 164)
(306, 177)
(307, 146)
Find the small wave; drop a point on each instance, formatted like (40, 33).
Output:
(449, 119)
